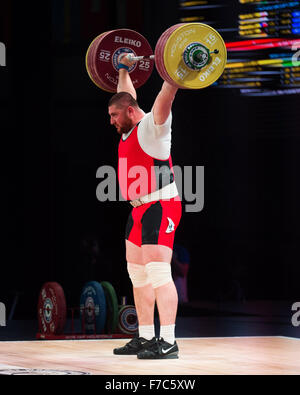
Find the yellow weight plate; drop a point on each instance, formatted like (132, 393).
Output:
(176, 47)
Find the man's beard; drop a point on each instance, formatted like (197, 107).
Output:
(126, 127)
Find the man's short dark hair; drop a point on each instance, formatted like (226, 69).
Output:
(123, 99)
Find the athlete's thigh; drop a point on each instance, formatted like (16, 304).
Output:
(134, 253)
(156, 253)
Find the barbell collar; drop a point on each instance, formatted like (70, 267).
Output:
(137, 58)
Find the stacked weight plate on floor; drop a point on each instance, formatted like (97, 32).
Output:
(190, 55)
(128, 322)
(112, 307)
(52, 309)
(93, 308)
(100, 312)
(105, 51)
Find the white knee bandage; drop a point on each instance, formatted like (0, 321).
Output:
(159, 273)
(137, 274)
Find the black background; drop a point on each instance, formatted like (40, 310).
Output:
(55, 134)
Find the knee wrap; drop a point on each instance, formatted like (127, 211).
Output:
(137, 274)
(159, 273)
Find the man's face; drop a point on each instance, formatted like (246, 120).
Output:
(120, 119)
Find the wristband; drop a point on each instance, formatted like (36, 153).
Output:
(122, 66)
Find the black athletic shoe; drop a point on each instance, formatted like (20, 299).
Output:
(159, 349)
(134, 346)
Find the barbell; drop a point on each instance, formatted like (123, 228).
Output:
(187, 55)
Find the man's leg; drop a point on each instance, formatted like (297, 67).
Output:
(144, 299)
(158, 261)
(144, 296)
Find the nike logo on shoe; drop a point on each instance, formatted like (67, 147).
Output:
(157, 351)
(167, 350)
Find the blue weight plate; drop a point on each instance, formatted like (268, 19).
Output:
(93, 307)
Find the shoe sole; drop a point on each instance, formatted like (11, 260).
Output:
(168, 356)
(126, 353)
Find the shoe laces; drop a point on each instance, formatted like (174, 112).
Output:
(134, 342)
(155, 345)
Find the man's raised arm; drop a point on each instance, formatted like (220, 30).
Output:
(124, 83)
(163, 103)
(164, 100)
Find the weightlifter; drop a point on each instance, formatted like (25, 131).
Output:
(145, 160)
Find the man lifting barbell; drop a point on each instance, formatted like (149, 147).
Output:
(183, 58)
(146, 142)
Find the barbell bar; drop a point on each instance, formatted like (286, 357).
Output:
(137, 58)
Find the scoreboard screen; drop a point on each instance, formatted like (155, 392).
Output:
(262, 40)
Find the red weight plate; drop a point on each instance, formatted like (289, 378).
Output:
(90, 62)
(52, 309)
(159, 54)
(159, 50)
(106, 53)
